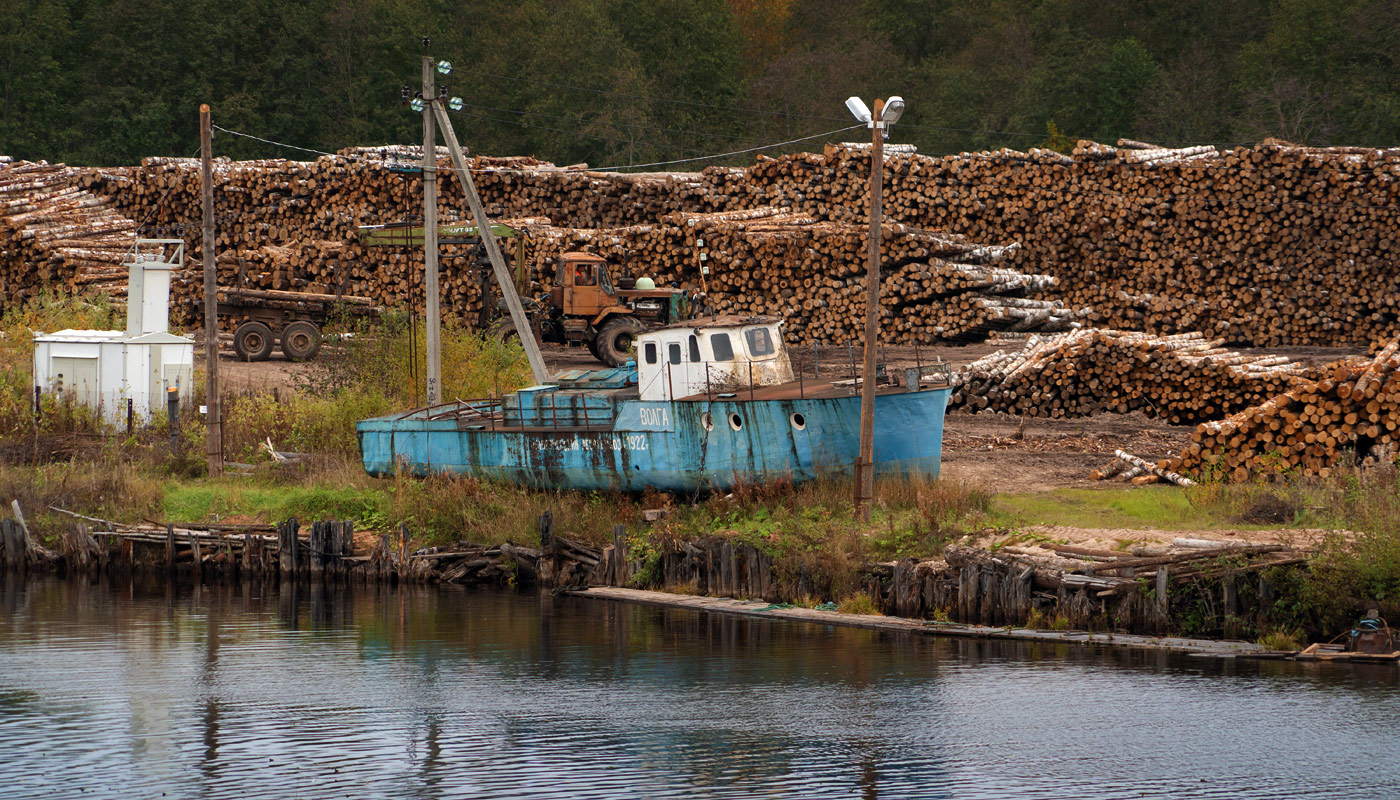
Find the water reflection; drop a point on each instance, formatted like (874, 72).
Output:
(282, 690)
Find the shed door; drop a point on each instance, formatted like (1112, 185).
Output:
(75, 379)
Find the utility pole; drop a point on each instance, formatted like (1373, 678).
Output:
(865, 464)
(493, 247)
(430, 234)
(214, 444)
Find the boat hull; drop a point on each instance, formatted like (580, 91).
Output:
(675, 446)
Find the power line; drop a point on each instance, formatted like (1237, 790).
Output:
(629, 126)
(648, 98)
(576, 132)
(1021, 160)
(793, 115)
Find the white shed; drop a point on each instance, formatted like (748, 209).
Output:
(106, 369)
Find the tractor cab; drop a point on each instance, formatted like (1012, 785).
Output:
(583, 287)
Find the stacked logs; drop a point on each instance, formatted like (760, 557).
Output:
(1352, 408)
(1181, 378)
(56, 234)
(1268, 245)
(773, 261)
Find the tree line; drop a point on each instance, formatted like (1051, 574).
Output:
(632, 82)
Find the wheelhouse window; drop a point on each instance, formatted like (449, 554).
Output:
(694, 349)
(673, 352)
(760, 342)
(651, 352)
(723, 349)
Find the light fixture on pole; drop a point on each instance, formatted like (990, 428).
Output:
(886, 113)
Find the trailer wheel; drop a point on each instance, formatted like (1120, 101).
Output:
(616, 342)
(301, 341)
(252, 341)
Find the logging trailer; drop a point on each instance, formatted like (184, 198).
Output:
(290, 320)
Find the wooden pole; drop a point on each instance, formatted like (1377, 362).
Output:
(865, 465)
(493, 248)
(213, 431)
(430, 236)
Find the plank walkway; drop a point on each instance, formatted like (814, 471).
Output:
(760, 608)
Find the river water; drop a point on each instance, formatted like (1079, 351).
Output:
(244, 691)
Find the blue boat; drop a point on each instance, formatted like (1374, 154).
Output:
(709, 403)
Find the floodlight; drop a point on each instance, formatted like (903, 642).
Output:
(445, 67)
(893, 110)
(859, 108)
(455, 104)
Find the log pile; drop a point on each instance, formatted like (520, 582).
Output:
(1352, 408)
(1181, 378)
(55, 234)
(1267, 245)
(768, 260)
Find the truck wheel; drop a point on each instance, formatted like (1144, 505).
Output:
(252, 341)
(301, 341)
(616, 343)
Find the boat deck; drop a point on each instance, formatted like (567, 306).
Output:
(825, 389)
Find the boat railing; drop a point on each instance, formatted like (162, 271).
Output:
(503, 413)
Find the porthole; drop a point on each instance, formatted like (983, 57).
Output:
(736, 422)
(798, 421)
(707, 422)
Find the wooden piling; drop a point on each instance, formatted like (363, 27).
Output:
(316, 555)
(198, 560)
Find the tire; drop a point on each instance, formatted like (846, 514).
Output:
(301, 341)
(616, 342)
(503, 330)
(253, 341)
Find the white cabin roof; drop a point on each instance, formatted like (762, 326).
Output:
(84, 336)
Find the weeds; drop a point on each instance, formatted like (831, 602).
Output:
(859, 603)
(1290, 639)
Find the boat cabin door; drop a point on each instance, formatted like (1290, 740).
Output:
(671, 365)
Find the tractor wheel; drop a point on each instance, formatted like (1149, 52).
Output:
(301, 341)
(617, 341)
(252, 341)
(503, 330)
